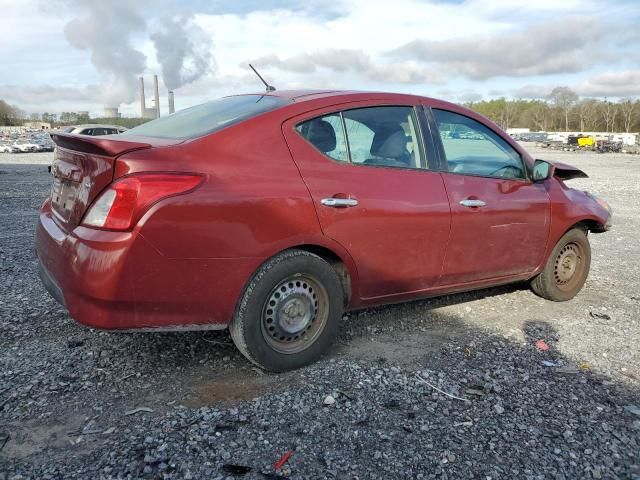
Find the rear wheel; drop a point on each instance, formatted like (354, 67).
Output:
(289, 313)
(566, 269)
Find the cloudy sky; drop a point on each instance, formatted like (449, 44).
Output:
(67, 55)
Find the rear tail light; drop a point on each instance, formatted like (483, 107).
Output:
(124, 202)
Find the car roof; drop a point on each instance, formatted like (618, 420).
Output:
(328, 97)
(298, 96)
(98, 125)
(307, 95)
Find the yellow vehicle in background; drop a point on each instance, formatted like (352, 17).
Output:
(586, 142)
(582, 141)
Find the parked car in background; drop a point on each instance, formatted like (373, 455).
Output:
(271, 214)
(25, 140)
(529, 137)
(27, 147)
(95, 129)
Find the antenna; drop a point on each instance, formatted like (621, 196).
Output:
(270, 88)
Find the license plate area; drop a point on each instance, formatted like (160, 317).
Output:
(63, 196)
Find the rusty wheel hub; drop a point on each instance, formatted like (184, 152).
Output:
(567, 263)
(294, 314)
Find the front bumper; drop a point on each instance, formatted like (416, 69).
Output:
(118, 280)
(603, 206)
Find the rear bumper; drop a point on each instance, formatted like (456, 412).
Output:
(118, 280)
(50, 284)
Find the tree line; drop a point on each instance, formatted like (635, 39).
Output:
(13, 116)
(563, 110)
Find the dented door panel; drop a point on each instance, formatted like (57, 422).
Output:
(506, 236)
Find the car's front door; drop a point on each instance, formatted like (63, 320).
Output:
(374, 193)
(499, 218)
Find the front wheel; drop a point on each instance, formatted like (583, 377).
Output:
(566, 269)
(289, 313)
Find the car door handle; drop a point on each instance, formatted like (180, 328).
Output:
(339, 202)
(472, 203)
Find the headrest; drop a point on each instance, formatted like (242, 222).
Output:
(393, 145)
(322, 135)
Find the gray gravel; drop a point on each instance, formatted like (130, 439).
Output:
(79, 403)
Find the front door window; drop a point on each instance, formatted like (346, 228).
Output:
(473, 149)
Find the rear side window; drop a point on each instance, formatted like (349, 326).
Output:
(386, 136)
(472, 148)
(209, 117)
(327, 135)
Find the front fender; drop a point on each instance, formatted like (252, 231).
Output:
(564, 171)
(570, 207)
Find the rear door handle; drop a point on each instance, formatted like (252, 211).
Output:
(339, 202)
(472, 203)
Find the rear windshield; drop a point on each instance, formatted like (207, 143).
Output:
(208, 117)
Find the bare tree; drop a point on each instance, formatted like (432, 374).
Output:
(538, 114)
(628, 110)
(564, 98)
(608, 111)
(587, 111)
(508, 113)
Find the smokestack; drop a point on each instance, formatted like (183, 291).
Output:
(156, 95)
(143, 107)
(172, 107)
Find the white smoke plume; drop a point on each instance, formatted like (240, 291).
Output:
(106, 31)
(184, 51)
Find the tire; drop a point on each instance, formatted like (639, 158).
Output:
(566, 269)
(289, 313)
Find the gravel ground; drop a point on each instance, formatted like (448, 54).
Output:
(448, 388)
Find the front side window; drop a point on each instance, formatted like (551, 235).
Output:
(375, 136)
(472, 148)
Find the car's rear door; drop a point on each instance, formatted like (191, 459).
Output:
(374, 193)
(499, 218)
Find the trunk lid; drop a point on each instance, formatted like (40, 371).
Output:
(82, 167)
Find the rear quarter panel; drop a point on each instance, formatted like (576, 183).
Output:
(252, 203)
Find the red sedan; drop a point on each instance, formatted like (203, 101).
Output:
(271, 214)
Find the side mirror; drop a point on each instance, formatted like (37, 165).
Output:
(542, 170)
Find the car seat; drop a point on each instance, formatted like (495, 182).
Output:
(389, 148)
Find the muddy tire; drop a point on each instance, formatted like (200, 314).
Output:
(289, 313)
(566, 269)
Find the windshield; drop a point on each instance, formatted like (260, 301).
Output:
(208, 117)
